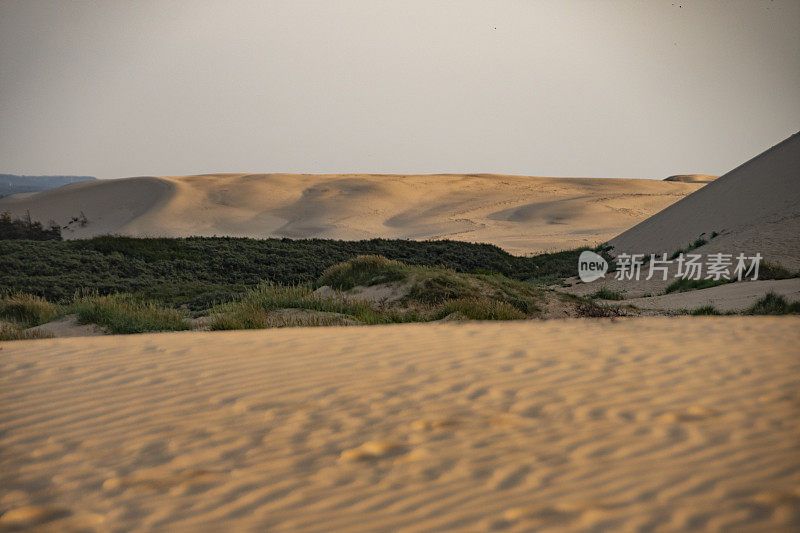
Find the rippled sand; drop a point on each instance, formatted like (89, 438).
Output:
(652, 424)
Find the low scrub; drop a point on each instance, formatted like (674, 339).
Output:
(705, 310)
(124, 314)
(257, 308)
(606, 294)
(685, 285)
(364, 270)
(177, 271)
(441, 287)
(774, 304)
(773, 271)
(12, 332)
(479, 309)
(27, 310)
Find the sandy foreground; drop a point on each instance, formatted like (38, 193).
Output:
(651, 424)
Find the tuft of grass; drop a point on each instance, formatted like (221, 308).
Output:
(364, 270)
(479, 309)
(589, 309)
(774, 304)
(441, 287)
(28, 310)
(705, 310)
(606, 294)
(697, 243)
(772, 271)
(123, 314)
(255, 309)
(12, 332)
(685, 285)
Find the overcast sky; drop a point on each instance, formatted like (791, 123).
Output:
(562, 88)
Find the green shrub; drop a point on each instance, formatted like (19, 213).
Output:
(685, 284)
(523, 295)
(441, 287)
(606, 294)
(774, 304)
(174, 271)
(253, 311)
(123, 314)
(589, 309)
(698, 242)
(771, 271)
(479, 309)
(705, 310)
(27, 310)
(364, 270)
(12, 229)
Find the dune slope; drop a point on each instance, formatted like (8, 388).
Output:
(651, 424)
(754, 208)
(521, 214)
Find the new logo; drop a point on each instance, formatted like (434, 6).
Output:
(591, 266)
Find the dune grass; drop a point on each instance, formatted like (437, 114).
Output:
(12, 332)
(606, 294)
(27, 310)
(705, 310)
(364, 270)
(433, 294)
(685, 285)
(774, 304)
(478, 309)
(254, 310)
(124, 314)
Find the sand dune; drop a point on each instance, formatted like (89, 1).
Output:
(651, 424)
(521, 214)
(755, 208)
(692, 178)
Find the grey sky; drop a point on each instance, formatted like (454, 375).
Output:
(581, 88)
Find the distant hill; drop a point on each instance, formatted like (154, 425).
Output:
(521, 214)
(13, 184)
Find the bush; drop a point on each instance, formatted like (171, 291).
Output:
(479, 309)
(589, 309)
(27, 310)
(685, 285)
(254, 310)
(123, 314)
(26, 229)
(606, 294)
(364, 270)
(774, 304)
(440, 287)
(12, 332)
(705, 310)
(771, 271)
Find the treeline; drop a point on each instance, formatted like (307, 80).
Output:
(179, 270)
(27, 229)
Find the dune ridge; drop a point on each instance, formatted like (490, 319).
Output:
(656, 424)
(518, 213)
(754, 208)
